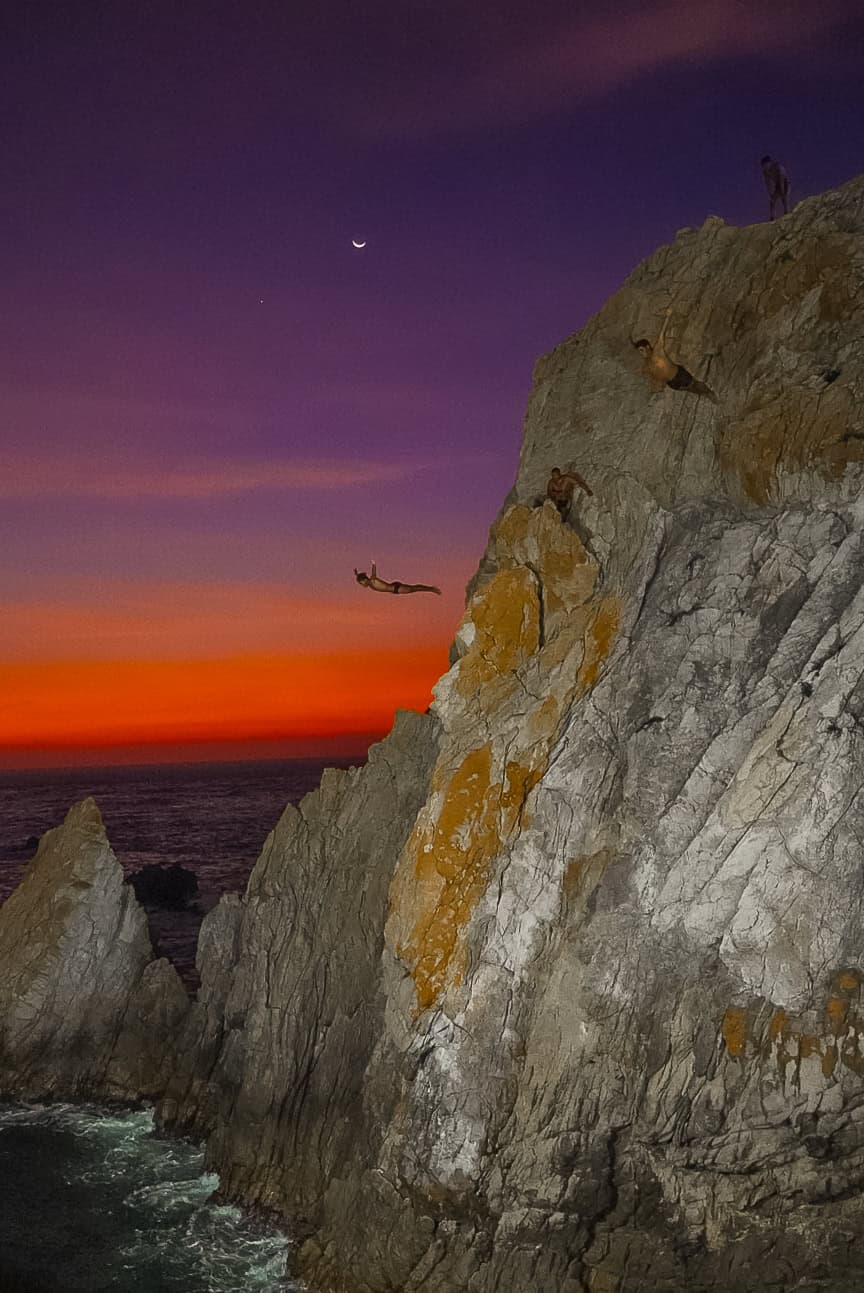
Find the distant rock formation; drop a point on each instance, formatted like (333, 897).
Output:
(562, 991)
(85, 1010)
(170, 888)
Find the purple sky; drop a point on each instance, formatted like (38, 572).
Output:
(204, 384)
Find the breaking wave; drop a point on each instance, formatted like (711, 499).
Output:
(94, 1202)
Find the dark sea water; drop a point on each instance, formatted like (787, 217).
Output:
(92, 1203)
(90, 1199)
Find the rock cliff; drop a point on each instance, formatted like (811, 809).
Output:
(562, 991)
(85, 1009)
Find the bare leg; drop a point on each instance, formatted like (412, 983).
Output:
(699, 388)
(416, 588)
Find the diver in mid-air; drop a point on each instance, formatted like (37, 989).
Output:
(660, 368)
(386, 586)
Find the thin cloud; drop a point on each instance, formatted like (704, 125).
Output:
(574, 58)
(54, 476)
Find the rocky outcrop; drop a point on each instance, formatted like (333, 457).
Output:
(562, 991)
(85, 1011)
(624, 937)
(290, 1003)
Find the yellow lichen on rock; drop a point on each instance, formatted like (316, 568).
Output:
(453, 855)
(736, 1030)
(518, 681)
(506, 618)
(600, 639)
(836, 1012)
(832, 1034)
(537, 539)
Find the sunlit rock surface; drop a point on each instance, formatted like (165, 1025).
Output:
(562, 991)
(84, 1007)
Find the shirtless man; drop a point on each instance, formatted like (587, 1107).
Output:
(659, 367)
(777, 184)
(384, 586)
(560, 489)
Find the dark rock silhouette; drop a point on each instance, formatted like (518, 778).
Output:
(170, 887)
(85, 1009)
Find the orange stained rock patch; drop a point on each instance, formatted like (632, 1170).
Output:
(808, 1045)
(513, 527)
(538, 539)
(836, 1012)
(789, 1040)
(600, 639)
(506, 617)
(736, 1030)
(778, 1024)
(453, 860)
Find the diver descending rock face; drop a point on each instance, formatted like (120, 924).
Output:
(659, 367)
(777, 184)
(560, 489)
(386, 586)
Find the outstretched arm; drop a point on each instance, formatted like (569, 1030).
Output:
(659, 343)
(581, 482)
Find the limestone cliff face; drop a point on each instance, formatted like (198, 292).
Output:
(624, 938)
(562, 991)
(85, 1010)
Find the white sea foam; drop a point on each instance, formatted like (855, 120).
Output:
(94, 1199)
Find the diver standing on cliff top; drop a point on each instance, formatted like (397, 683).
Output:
(385, 586)
(661, 368)
(777, 184)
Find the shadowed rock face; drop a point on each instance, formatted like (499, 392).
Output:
(562, 990)
(84, 1008)
(290, 1003)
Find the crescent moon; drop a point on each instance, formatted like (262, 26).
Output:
(358, 245)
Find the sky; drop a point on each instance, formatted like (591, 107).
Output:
(213, 406)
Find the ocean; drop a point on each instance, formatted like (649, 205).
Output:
(90, 1198)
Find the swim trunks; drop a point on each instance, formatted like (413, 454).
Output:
(397, 586)
(681, 380)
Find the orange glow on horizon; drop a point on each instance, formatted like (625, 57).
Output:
(254, 699)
